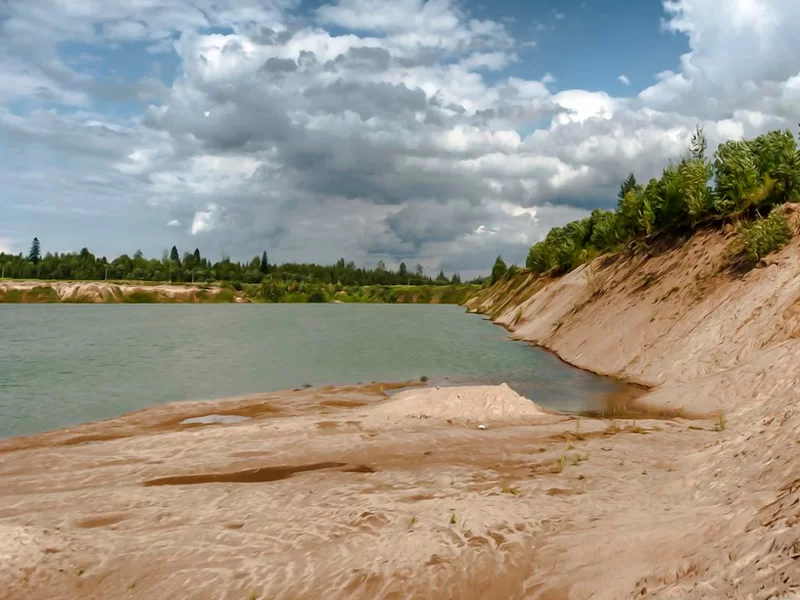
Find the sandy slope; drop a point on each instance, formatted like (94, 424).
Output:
(713, 342)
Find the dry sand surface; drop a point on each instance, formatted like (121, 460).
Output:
(332, 493)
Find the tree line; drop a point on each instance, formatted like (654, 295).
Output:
(195, 268)
(747, 182)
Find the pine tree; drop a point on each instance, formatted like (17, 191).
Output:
(35, 255)
(628, 185)
(499, 270)
(197, 255)
(174, 256)
(264, 267)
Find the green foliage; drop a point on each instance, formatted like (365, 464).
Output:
(562, 249)
(141, 297)
(193, 267)
(749, 176)
(35, 254)
(499, 269)
(42, 294)
(758, 238)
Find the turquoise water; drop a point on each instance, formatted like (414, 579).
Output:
(66, 364)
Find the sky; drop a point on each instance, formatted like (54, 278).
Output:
(440, 132)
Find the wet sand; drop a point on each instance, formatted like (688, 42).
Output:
(337, 493)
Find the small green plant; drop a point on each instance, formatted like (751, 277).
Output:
(517, 317)
(722, 422)
(636, 429)
(758, 238)
(132, 585)
(510, 490)
(578, 459)
(453, 519)
(413, 521)
(558, 466)
(424, 379)
(578, 434)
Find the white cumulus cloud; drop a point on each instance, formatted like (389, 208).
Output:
(205, 220)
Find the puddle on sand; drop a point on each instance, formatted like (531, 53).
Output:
(257, 475)
(214, 420)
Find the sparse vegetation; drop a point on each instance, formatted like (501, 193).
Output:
(517, 317)
(578, 434)
(578, 459)
(722, 422)
(510, 490)
(558, 466)
(424, 379)
(453, 519)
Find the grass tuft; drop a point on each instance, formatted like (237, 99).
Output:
(578, 434)
(722, 422)
(558, 465)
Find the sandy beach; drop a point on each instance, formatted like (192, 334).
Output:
(332, 492)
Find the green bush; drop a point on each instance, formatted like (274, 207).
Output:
(42, 293)
(141, 297)
(317, 296)
(762, 236)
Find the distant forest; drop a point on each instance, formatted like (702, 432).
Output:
(193, 267)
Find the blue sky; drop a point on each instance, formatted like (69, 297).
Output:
(439, 131)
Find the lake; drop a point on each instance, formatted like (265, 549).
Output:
(66, 364)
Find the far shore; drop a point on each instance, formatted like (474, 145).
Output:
(45, 291)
